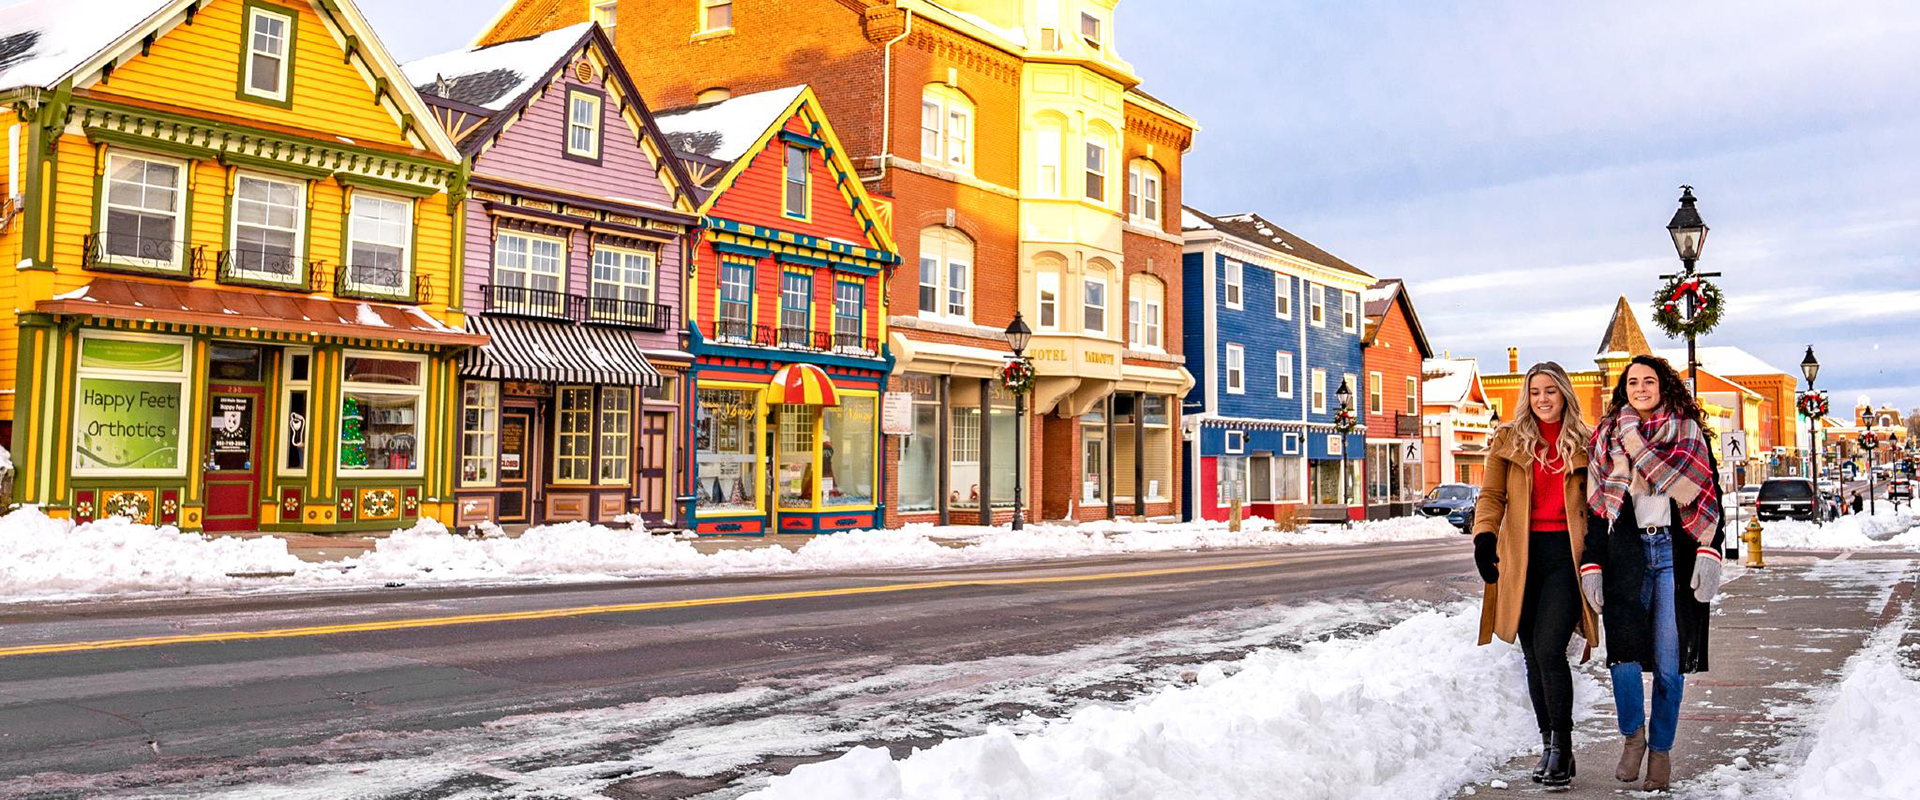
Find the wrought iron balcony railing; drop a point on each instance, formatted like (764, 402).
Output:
(617, 311)
(270, 270)
(368, 282)
(521, 301)
(115, 252)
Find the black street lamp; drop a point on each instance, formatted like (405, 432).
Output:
(1018, 334)
(1870, 442)
(1689, 235)
(1344, 422)
(1810, 369)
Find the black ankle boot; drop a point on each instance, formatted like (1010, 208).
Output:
(1558, 762)
(1540, 769)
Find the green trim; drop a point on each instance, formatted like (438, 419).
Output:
(791, 237)
(246, 49)
(379, 185)
(211, 131)
(44, 128)
(137, 142)
(185, 270)
(802, 140)
(740, 250)
(288, 168)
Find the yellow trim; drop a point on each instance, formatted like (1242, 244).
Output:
(759, 433)
(621, 608)
(806, 185)
(555, 444)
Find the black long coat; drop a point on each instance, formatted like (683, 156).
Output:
(1622, 556)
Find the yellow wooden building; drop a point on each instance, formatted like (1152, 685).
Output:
(236, 298)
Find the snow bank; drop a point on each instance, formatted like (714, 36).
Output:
(43, 557)
(1890, 528)
(40, 557)
(1867, 747)
(1415, 711)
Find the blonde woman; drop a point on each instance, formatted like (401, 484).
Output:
(1529, 529)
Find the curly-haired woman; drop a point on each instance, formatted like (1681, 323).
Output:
(1651, 564)
(1531, 519)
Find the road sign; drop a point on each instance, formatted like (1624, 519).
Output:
(1733, 447)
(1412, 454)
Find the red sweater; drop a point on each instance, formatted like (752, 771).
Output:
(1549, 483)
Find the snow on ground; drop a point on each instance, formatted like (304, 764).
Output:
(42, 558)
(1891, 528)
(1414, 711)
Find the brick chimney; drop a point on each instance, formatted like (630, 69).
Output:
(1513, 360)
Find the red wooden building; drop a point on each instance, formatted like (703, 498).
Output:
(1394, 347)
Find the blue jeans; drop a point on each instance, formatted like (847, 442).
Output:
(1628, 694)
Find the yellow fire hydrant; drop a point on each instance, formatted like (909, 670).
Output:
(1752, 540)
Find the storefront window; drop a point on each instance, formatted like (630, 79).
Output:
(1287, 484)
(479, 432)
(1230, 479)
(1381, 471)
(616, 433)
(573, 435)
(130, 406)
(920, 450)
(1328, 487)
(793, 446)
(1156, 446)
(1005, 469)
(297, 422)
(1093, 457)
(380, 414)
(847, 453)
(725, 451)
(963, 430)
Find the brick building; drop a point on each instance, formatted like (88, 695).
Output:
(1027, 173)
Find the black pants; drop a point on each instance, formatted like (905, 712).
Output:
(1548, 614)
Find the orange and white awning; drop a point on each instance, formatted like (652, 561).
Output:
(804, 385)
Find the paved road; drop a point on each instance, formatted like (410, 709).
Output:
(257, 681)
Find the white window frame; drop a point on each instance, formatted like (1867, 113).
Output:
(604, 12)
(288, 386)
(1319, 391)
(1235, 293)
(858, 317)
(1234, 442)
(1283, 374)
(948, 246)
(1282, 295)
(706, 15)
(604, 454)
(1047, 299)
(946, 128)
(1143, 193)
(1413, 395)
(1236, 369)
(299, 229)
(619, 282)
(1094, 282)
(1096, 151)
(591, 411)
(405, 244)
(1353, 383)
(489, 401)
(1376, 393)
(527, 273)
(1349, 311)
(1319, 312)
(804, 183)
(1052, 142)
(418, 391)
(181, 171)
(1098, 38)
(183, 379)
(575, 125)
(285, 56)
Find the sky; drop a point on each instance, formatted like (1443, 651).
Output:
(1517, 161)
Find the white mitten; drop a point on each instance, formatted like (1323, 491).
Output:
(1706, 574)
(1590, 585)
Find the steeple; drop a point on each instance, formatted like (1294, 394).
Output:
(1623, 333)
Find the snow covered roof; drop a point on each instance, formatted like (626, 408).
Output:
(1377, 298)
(1447, 381)
(1191, 220)
(1257, 230)
(1722, 360)
(724, 130)
(493, 76)
(42, 41)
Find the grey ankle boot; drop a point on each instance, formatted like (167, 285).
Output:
(1632, 753)
(1659, 771)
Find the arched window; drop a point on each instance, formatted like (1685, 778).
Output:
(946, 127)
(1047, 269)
(1050, 141)
(1143, 193)
(946, 273)
(1096, 287)
(1146, 299)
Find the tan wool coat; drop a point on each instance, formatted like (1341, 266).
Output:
(1505, 506)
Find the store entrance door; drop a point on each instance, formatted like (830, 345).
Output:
(519, 460)
(652, 471)
(233, 458)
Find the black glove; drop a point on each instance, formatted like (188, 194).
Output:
(1485, 558)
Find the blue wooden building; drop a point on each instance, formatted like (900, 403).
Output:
(1273, 328)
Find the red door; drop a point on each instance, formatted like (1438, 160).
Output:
(653, 464)
(233, 458)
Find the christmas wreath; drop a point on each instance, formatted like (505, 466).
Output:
(1671, 300)
(1813, 405)
(1344, 422)
(1017, 376)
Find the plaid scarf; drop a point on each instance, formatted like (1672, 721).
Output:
(1666, 454)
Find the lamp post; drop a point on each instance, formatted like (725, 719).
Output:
(1689, 234)
(1344, 423)
(1018, 334)
(1810, 369)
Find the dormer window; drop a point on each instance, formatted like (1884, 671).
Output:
(795, 199)
(606, 13)
(583, 125)
(1090, 30)
(269, 40)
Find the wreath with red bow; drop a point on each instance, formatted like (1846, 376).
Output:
(1344, 422)
(1813, 405)
(1018, 376)
(1671, 301)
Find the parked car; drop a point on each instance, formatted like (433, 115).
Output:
(1786, 498)
(1748, 494)
(1453, 501)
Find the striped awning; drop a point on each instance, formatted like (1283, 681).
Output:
(556, 352)
(802, 384)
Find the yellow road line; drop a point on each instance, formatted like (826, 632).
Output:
(578, 611)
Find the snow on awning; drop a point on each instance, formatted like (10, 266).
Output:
(116, 298)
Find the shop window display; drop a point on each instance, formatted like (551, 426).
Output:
(380, 415)
(847, 453)
(793, 463)
(920, 450)
(725, 449)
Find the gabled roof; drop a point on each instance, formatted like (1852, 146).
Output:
(724, 133)
(1377, 300)
(1723, 360)
(1623, 332)
(503, 79)
(1450, 381)
(1257, 230)
(45, 44)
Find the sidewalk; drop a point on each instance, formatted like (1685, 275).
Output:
(317, 548)
(1781, 637)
